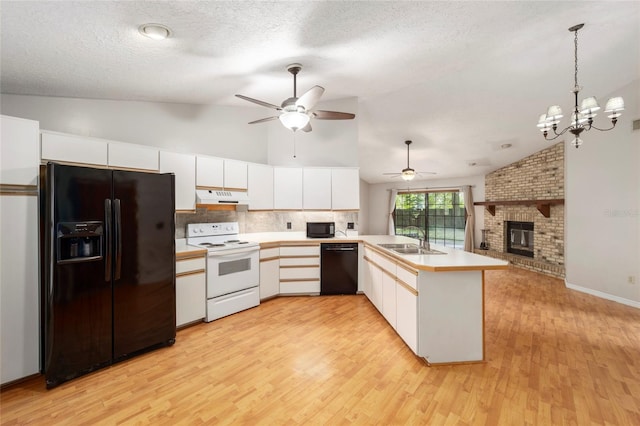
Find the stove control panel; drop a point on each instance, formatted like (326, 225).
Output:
(210, 229)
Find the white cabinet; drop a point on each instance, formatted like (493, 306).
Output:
(191, 280)
(235, 175)
(19, 151)
(287, 188)
(184, 168)
(269, 273)
(389, 298)
(376, 285)
(345, 189)
(316, 189)
(74, 149)
(19, 285)
(132, 156)
(209, 172)
(260, 186)
(407, 315)
(19, 309)
(300, 269)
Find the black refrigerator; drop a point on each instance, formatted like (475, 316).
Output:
(107, 267)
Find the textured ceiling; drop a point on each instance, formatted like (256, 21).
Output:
(458, 78)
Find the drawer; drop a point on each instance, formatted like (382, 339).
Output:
(300, 287)
(189, 265)
(299, 273)
(300, 251)
(270, 252)
(408, 277)
(300, 261)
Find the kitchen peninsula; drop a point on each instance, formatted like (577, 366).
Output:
(435, 302)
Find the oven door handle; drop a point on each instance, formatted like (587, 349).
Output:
(223, 253)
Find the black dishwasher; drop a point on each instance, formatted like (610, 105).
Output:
(338, 268)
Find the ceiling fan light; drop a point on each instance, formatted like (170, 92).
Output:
(408, 174)
(294, 120)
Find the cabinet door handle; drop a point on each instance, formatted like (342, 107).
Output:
(118, 235)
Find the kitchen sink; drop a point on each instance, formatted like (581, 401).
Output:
(410, 249)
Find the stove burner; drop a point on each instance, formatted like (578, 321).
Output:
(243, 242)
(232, 241)
(211, 245)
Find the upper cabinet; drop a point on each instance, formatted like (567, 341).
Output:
(287, 188)
(184, 168)
(99, 152)
(213, 172)
(210, 172)
(345, 189)
(260, 184)
(132, 156)
(235, 175)
(316, 189)
(19, 157)
(74, 149)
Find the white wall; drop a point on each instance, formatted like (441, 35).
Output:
(202, 129)
(363, 214)
(379, 200)
(602, 206)
(330, 143)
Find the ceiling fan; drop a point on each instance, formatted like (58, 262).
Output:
(297, 112)
(408, 173)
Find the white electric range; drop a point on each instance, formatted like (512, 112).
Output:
(233, 268)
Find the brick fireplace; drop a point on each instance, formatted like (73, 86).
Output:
(529, 195)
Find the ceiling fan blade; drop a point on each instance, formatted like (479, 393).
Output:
(310, 98)
(426, 173)
(262, 103)
(307, 128)
(332, 115)
(392, 174)
(262, 120)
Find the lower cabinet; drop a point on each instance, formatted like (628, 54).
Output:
(389, 301)
(191, 292)
(269, 272)
(392, 289)
(407, 315)
(300, 269)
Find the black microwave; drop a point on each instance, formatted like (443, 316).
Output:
(321, 229)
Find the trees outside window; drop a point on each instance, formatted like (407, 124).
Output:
(440, 215)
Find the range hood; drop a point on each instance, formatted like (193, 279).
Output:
(220, 196)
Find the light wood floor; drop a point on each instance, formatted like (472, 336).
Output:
(555, 356)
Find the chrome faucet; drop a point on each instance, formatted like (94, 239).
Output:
(424, 242)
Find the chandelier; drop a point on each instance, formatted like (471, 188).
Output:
(582, 116)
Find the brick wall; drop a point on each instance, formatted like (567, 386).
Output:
(537, 177)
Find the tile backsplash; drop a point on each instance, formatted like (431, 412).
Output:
(265, 221)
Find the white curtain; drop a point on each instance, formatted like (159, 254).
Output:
(392, 206)
(471, 221)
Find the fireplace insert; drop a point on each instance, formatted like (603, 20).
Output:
(519, 238)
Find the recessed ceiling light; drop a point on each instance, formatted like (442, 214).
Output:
(506, 145)
(154, 31)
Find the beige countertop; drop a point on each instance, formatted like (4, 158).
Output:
(453, 260)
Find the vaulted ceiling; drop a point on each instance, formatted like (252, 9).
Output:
(460, 79)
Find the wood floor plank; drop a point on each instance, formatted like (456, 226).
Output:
(554, 356)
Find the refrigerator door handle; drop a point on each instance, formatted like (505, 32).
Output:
(118, 236)
(107, 229)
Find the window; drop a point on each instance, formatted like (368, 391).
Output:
(442, 213)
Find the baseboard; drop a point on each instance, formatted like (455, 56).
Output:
(603, 295)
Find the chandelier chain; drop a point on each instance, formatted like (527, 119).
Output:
(575, 53)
